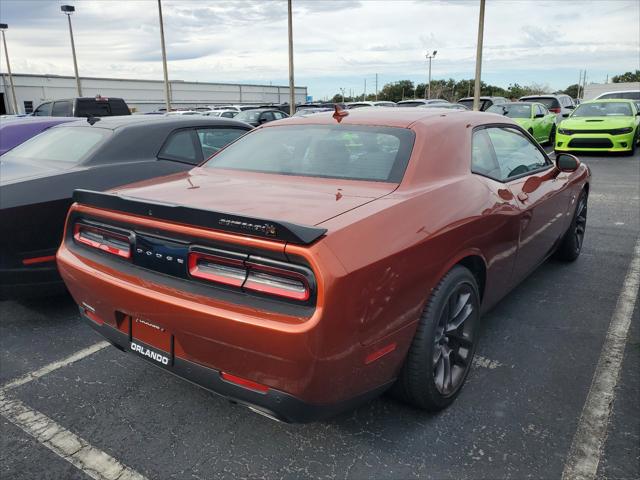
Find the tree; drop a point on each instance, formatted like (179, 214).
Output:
(397, 91)
(572, 90)
(627, 77)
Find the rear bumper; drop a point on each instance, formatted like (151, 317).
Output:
(273, 403)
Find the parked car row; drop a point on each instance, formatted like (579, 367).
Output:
(39, 175)
(607, 124)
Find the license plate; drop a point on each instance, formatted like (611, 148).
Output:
(151, 340)
(161, 358)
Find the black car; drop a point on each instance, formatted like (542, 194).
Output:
(258, 116)
(38, 177)
(83, 107)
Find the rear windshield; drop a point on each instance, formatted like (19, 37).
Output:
(605, 109)
(511, 110)
(330, 151)
(100, 108)
(249, 115)
(409, 104)
(546, 101)
(483, 105)
(65, 145)
(625, 95)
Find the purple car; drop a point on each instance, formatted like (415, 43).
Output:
(15, 131)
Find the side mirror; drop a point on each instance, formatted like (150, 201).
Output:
(262, 120)
(565, 115)
(539, 115)
(567, 163)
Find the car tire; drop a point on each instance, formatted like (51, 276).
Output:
(552, 136)
(571, 244)
(440, 355)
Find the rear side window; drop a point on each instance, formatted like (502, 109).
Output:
(626, 95)
(349, 152)
(64, 145)
(181, 147)
(213, 139)
(43, 110)
(62, 109)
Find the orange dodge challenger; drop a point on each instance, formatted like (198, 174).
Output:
(319, 261)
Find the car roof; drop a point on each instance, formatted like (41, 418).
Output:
(172, 121)
(546, 95)
(383, 117)
(610, 100)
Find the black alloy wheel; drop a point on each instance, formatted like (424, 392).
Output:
(442, 349)
(453, 342)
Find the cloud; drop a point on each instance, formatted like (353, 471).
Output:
(337, 43)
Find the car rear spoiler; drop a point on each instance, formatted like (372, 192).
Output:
(259, 227)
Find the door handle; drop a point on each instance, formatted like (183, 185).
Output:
(523, 197)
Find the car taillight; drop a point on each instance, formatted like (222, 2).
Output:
(249, 273)
(214, 268)
(555, 110)
(277, 281)
(102, 239)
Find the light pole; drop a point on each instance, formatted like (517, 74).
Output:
(429, 57)
(476, 87)
(68, 10)
(292, 91)
(167, 98)
(3, 27)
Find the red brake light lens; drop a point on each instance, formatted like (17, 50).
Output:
(102, 239)
(277, 281)
(228, 271)
(555, 110)
(250, 275)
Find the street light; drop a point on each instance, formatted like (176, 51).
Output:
(3, 27)
(68, 10)
(429, 57)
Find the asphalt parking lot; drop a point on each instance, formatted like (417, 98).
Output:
(516, 417)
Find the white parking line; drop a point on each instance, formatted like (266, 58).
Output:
(79, 355)
(75, 450)
(588, 441)
(64, 443)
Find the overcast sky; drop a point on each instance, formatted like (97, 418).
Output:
(337, 43)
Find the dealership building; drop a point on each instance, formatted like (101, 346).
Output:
(140, 95)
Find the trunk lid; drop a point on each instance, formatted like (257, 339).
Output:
(300, 200)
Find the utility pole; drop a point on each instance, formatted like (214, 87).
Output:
(3, 27)
(167, 98)
(342, 92)
(292, 92)
(364, 94)
(376, 87)
(429, 57)
(68, 10)
(476, 89)
(579, 82)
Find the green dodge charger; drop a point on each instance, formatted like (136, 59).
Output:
(533, 117)
(600, 126)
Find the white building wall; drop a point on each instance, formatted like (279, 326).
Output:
(142, 95)
(592, 90)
